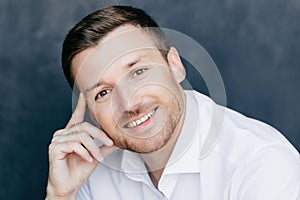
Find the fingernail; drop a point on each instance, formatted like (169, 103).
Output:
(109, 142)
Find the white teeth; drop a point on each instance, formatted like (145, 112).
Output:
(141, 120)
(144, 118)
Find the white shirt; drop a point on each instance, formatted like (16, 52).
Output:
(220, 155)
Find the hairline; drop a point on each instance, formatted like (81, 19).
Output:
(163, 51)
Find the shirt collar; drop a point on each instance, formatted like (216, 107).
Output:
(184, 158)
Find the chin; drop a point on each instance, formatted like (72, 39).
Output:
(147, 145)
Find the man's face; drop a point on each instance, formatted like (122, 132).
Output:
(132, 92)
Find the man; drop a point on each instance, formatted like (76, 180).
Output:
(159, 141)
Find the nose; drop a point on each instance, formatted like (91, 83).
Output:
(126, 98)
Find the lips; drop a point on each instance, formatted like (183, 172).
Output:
(141, 120)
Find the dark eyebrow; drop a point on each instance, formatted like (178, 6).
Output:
(93, 87)
(130, 64)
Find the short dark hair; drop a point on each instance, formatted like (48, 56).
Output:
(95, 26)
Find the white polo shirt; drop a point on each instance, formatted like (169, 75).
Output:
(220, 154)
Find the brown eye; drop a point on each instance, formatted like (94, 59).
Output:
(102, 94)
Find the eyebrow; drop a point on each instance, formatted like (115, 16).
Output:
(130, 64)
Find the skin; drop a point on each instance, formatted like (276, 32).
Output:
(119, 86)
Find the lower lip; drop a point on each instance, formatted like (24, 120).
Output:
(145, 123)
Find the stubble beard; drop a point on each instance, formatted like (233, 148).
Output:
(157, 141)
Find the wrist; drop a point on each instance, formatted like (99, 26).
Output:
(51, 194)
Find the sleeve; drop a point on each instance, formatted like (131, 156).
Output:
(273, 173)
(84, 192)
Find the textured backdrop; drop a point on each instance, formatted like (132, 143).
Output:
(255, 45)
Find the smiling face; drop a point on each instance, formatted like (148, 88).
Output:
(132, 92)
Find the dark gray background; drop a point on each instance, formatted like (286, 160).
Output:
(254, 43)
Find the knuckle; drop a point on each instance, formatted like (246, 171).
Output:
(51, 148)
(58, 132)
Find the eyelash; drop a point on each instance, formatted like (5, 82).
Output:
(135, 73)
(99, 93)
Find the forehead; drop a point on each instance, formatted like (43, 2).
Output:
(125, 41)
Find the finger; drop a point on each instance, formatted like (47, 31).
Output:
(84, 139)
(106, 151)
(59, 132)
(58, 151)
(93, 131)
(78, 114)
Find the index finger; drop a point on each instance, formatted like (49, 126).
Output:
(78, 114)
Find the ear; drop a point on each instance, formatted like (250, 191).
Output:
(176, 65)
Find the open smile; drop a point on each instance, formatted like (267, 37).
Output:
(141, 120)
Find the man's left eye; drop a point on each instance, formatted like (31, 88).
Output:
(139, 71)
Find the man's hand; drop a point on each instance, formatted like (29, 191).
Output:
(73, 154)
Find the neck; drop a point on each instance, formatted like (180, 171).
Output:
(156, 161)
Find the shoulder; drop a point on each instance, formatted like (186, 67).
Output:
(272, 173)
(237, 136)
(250, 158)
(246, 137)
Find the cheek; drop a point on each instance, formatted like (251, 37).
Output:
(91, 111)
(104, 116)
